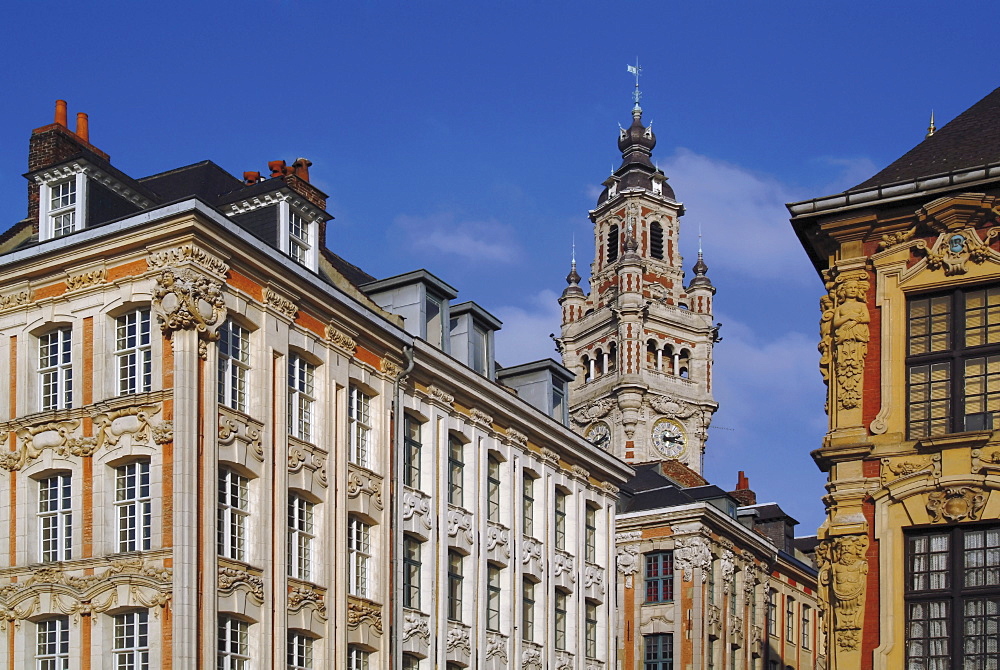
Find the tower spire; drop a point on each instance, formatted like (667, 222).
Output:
(636, 94)
(931, 128)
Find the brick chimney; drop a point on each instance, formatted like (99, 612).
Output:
(52, 144)
(296, 177)
(743, 492)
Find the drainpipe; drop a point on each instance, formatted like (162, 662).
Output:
(396, 638)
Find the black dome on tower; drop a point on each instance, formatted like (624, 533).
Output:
(637, 170)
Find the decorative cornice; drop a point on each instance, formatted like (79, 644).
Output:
(480, 417)
(232, 578)
(282, 305)
(362, 611)
(340, 339)
(516, 437)
(184, 254)
(441, 395)
(85, 279)
(13, 300)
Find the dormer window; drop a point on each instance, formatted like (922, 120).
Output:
(298, 238)
(62, 207)
(432, 316)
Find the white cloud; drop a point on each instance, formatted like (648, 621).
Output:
(853, 171)
(742, 214)
(444, 233)
(526, 328)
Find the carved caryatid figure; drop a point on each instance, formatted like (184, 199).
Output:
(844, 570)
(850, 339)
(825, 340)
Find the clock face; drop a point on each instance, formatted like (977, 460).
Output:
(668, 437)
(600, 435)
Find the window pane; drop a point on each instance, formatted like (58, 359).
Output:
(929, 399)
(982, 392)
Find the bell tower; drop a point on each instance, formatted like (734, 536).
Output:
(641, 341)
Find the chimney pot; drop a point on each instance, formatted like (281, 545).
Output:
(82, 127)
(251, 177)
(277, 168)
(301, 168)
(61, 112)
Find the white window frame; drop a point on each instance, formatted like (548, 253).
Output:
(300, 651)
(47, 213)
(233, 512)
(358, 553)
(360, 427)
(234, 365)
(55, 518)
(55, 369)
(52, 644)
(134, 352)
(298, 239)
(357, 658)
(134, 506)
(301, 397)
(234, 644)
(301, 533)
(131, 641)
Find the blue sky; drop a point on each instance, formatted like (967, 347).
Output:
(471, 139)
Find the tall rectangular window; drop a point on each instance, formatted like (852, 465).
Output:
(55, 517)
(953, 597)
(299, 242)
(710, 586)
(134, 505)
(52, 644)
(456, 470)
(233, 510)
(134, 352)
(234, 365)
(411, 572)
(790, 619)
(300, 537)
(493, 489)
(560, 519)
(62, 207)
(411, 452)
(300, 651)
(455, 580)
(492, 598)
(55, 368)
(301, 374)
(234, 644)
(659, 652)
(434, 324)
(590, 534)
(660, 577)
(357, 658)
(360, 426)
(528, 504)
(590, 630)
(527, 610)
(479, 351)
(359, 550)
(131, 650)
(953, 362)
(772, 612)
(560, 607)
(805, 626)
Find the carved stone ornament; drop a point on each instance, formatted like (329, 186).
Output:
(843, 576)
(890, 240)
(844, 334)
(458, 639)
(186, 300)
(300, 455)
(361, 611)
(229, 579)
(955, 503)
(304, 596)
(692, 552)
(987, 458)
(593, 577)
(728, 567)
(749, 579)
(282, 305)
(163, 432)
(12, 300)
(550, 456)
(460, 521)
(480, 417)
(628, 536)
(389, 368)
(628, 563)
(902, 469)
(516, 437)
(496, 645)
(531, 658)
(497, 537)
(132, 421)
(596, 410)
(531, 549)
(579, 472)
(233, 428)
(188, 253)
(953, 249)
(563, 563)
(609, 488)
(358, 483)
(564, 661)
(34, 439)
(419, 505)
(85, 279)
(671, 407)
(340, 339)
(415, 625)
(441, 395)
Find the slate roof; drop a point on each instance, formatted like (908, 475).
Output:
(651, 490)
(971, 139)
(205, 180)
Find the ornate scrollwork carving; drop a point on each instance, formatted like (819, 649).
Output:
(596, 410)
(955, 503)
(233, 428)
(672, 407)
(579, 472)
(531, 658)
(14, 615)
(188, 253)
(480, 417)
(458, 639)
(459, 520)
(361, 611)
(34, 439)
(955, 248)
(609, 488)
(163, 432)
(531, 549)
(135, 421)
(550, 456)
(303, 596)
(496, 645)
(692, 552)
(12, 300)
(85, 279)
(627, 561)
(340, 339)
(516, 437)
(231, 578)
(281, 304)
(497, 536)
(389, 368)
(415, 625)
(890, 240)
(416, 504)
(358, 483)
(843, 572)
(593, 576)
(441, 395)
(901, 469)
(186, 300)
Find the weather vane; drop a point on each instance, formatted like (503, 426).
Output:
(636, 70)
